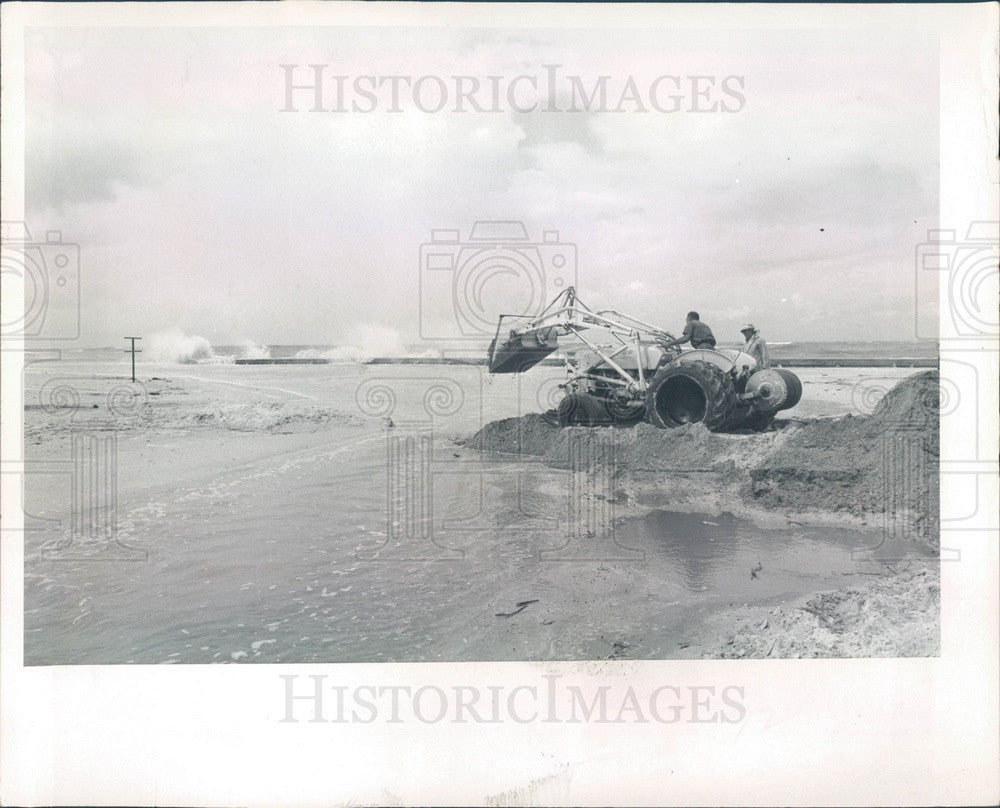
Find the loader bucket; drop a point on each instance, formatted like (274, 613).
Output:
(518, 354)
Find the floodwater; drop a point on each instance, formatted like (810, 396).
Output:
(358, 541)
(734, 561)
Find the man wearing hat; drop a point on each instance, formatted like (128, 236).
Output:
(755, 346)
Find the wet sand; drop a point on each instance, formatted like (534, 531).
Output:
(255, 520)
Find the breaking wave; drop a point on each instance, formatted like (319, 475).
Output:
(363, 343)
(251, 350)
(184, 349)
(176, 347)
(368, 342)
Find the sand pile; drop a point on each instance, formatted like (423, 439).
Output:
(895, 616)
(690, 448)
(531, 434)
(914, 403)
(886, 463)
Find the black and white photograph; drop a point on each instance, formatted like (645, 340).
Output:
(603, 341)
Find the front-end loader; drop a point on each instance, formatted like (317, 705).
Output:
(635, 378)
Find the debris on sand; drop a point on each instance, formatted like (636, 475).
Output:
(259, 417)
(108, 403)
(895, 616)
(521, 606)
(619, 649)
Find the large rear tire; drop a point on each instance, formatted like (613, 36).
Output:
(692, 392)
(624, 410)
(582, 409)
(626, 414)
(760, 421)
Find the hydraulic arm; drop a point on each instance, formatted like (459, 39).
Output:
(530, 340)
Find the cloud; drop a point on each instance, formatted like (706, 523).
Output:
(62, 170)
(166, 150)
(845, 193)
(542, 127)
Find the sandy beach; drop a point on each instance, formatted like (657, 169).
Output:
(343, 512)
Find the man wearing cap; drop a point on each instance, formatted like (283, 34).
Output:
(755, 345)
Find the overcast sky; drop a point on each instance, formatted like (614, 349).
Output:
(199, 206)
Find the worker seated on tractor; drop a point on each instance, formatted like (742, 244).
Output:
(755, 345)
(695, 331)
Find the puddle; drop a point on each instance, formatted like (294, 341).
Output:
(729, 559)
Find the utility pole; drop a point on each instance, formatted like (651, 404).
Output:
(133, 350)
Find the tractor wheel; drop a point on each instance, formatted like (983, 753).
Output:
(794, 388)
(625, 414)
(581, 409)
(692, 392)
(624, 410)
(740, 419)
(760, 420)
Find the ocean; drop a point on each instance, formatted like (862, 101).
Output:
(196, 350)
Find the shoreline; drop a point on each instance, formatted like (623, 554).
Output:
(794, 362)
(275, 431)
